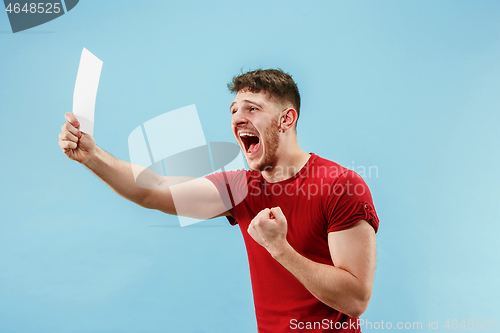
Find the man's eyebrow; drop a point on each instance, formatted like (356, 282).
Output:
(252, 102)
(247, 101)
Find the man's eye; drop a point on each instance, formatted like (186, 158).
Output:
(233, 111)
(253, 108)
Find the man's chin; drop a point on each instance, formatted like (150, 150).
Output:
(254, 165)
(259, 166)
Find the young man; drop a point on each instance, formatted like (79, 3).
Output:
(308, 223)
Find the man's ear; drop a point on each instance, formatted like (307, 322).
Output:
(288, 118)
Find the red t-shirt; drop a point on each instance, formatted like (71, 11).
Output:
(322, 197)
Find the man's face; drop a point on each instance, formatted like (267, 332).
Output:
(255, 124)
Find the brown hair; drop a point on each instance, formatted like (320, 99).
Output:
(275, 82)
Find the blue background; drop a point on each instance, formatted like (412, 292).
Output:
(410, 87)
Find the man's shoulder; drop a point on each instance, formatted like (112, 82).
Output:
(228, 177)
(324, 168)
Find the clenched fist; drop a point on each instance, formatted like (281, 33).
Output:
(269, 228)
(75, 144)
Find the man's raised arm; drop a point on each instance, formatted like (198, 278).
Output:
(345, 287)
(118, 175)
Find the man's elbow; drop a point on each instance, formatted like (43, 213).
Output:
(358, 309)
(359, 304)
(145, 199)
(144, 203)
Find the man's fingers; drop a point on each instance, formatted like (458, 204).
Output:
(68, 136)
(256, 221)
(64, 144)
(268, 214)
(67, 127)
(277, 213)
(70, 118)
(263, 213)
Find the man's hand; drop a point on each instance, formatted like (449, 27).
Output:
(75, 144)
(269, 229)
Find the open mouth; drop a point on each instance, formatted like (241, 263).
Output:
(250, 141)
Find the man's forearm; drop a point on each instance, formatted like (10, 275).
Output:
(333, 286)
(118, 175)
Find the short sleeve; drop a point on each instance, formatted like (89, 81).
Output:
(349, 202)
(232, 187)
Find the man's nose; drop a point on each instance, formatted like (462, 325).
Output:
(239, 119)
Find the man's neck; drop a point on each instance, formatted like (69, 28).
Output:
(287, 166)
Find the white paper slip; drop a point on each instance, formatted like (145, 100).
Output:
(85, 93)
